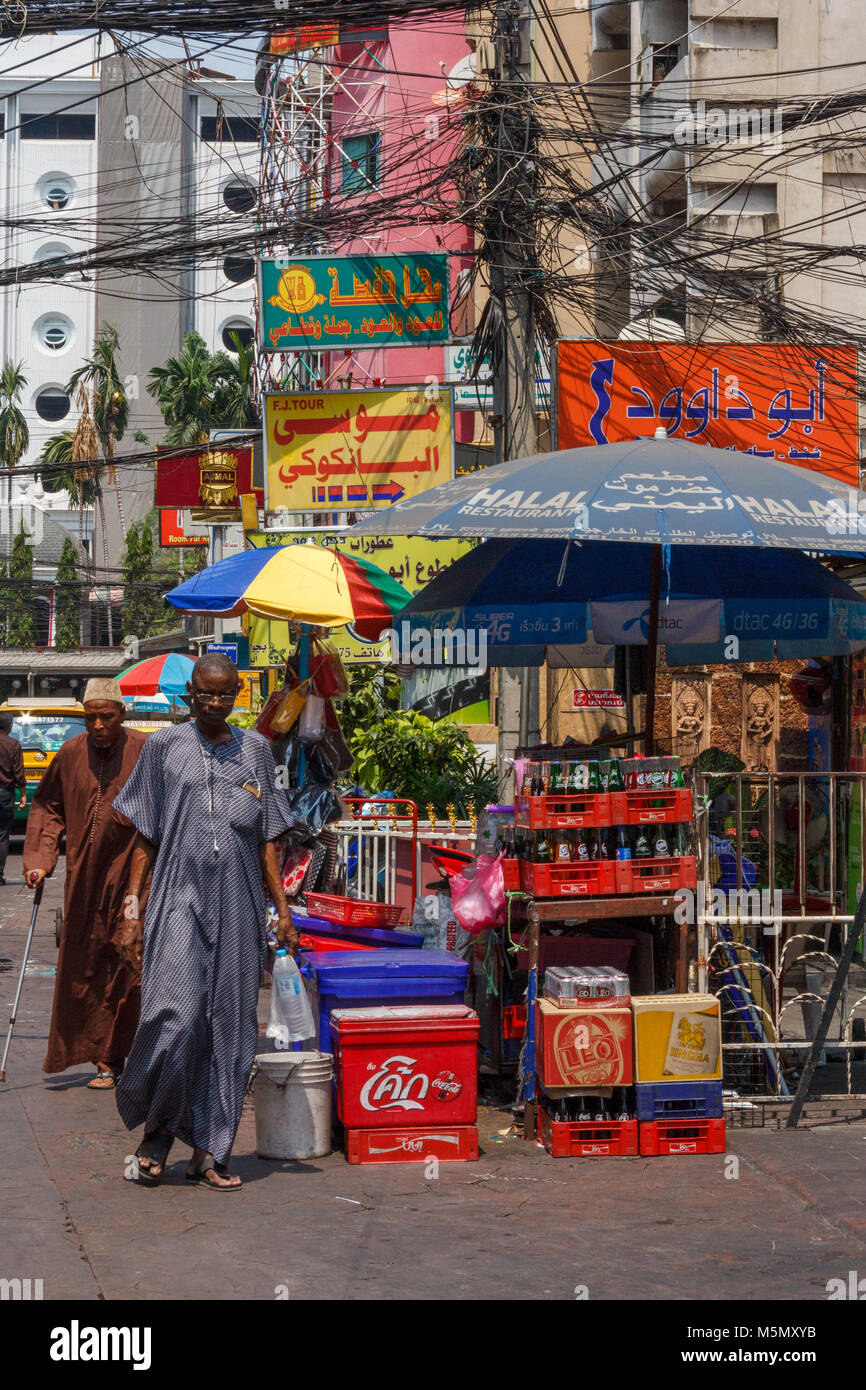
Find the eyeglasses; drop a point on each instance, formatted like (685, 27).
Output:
(210, 697)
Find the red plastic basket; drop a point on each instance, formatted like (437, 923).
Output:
(682, 1137)
(588, 1138)
(352, 912)
(558, 811)
(648, 806)
(656, 875)
(511, 875)
(568, 880)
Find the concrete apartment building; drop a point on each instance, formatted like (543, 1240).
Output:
(106, 150)
(715, 87)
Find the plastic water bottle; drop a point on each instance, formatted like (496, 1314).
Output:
(291, 1015)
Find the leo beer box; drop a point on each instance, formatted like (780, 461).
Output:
(583, 1047)
(678, 1037)
(406, 1065)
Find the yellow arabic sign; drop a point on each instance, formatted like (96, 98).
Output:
(345, 450)
(411, 560)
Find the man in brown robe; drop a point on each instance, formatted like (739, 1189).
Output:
(97, 993)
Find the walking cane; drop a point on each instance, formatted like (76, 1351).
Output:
(37, 898)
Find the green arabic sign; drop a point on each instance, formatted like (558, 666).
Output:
(354, 302)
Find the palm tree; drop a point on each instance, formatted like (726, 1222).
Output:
(234, 403)
(58, 474)
(14, 432)
(110, 403)
(184, 389)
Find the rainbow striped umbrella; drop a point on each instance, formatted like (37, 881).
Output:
(157, 675)
(304, 583)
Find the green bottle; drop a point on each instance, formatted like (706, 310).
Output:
(594, 777)
(614, 776)
(642, 845)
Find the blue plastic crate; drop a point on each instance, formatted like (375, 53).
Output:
(678, 1100)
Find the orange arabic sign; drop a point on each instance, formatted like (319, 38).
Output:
(794, 404)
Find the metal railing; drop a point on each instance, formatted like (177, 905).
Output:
(368, 845)
(780, 859)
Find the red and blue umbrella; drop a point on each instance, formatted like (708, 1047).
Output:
(157, 675)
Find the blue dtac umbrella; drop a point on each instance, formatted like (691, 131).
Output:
(658, 491)
(530, 595)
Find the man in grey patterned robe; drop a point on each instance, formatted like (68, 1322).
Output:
(204, 800)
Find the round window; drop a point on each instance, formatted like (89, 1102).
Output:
(236, 328)
(52, 404)
(56, 190)
(239, 268)
(53, 332)
(239, 197)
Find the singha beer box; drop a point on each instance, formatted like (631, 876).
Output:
(406, 1066)
(583, 1047)
(678, 1037)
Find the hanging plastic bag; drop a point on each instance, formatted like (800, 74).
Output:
(478, 895)
(290, 708)
(263, 724)
(311, 725)
(327, 676)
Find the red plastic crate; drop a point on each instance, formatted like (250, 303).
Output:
(652, 807)
(558, 811)
(588, 1138)
(513, 1020)
(511, 875)
(352, 912)
(457, 1144)
(656, 875)
(682, 1137)
(568, 880)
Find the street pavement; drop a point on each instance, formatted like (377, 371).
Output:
(779, 1223)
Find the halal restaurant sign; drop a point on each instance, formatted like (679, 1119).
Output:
(205, 479)
(792, 404)
(344, 450)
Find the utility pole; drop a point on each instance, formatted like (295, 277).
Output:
(511, 242)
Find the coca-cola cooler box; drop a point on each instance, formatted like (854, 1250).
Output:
(678, 1037)
(410, 1065)
(587, 1047)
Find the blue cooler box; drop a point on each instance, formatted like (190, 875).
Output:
(362, 979)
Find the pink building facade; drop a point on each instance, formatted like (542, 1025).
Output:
(389, 126)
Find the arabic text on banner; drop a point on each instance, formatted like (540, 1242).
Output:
(347, 450)
(792, 404)
(411, 560)
(354, 302)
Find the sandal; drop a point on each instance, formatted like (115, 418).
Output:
(197, 1177)
(160, 1146)
(103, 1081)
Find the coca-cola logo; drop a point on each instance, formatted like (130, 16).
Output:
(395, 1085)
(446, 1086)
